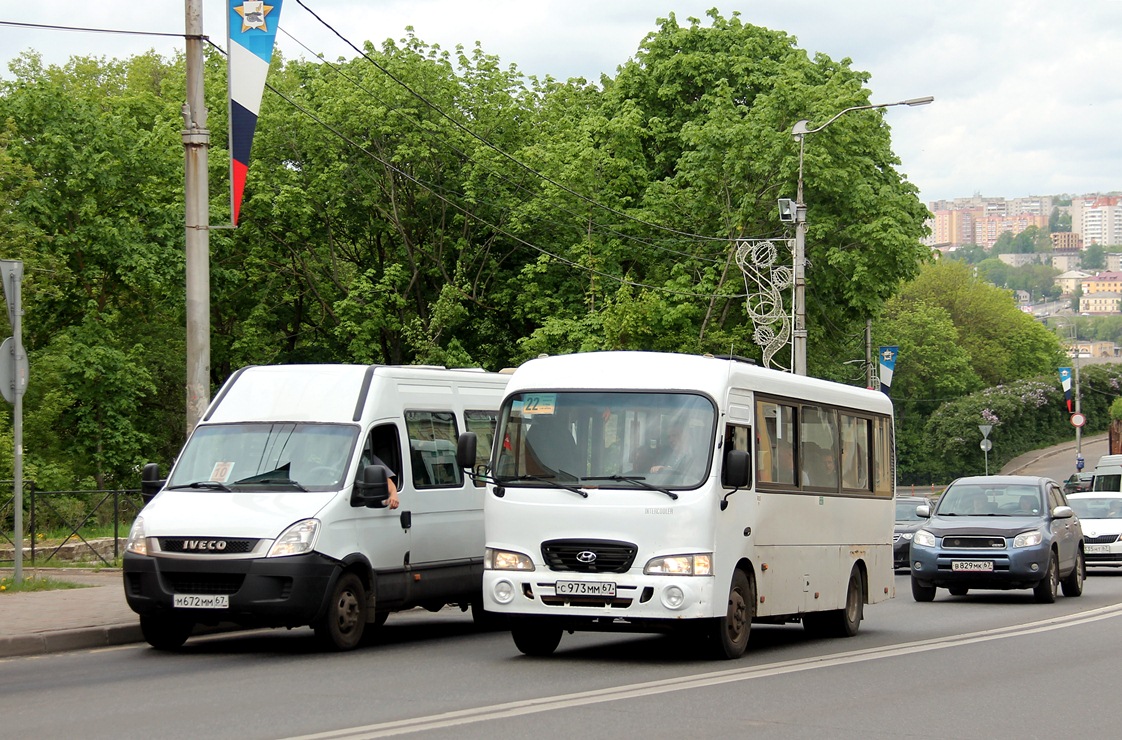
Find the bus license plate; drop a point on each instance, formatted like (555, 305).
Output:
(585, 588)
(201, 601)
(973, 565)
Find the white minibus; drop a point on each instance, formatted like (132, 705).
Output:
(645, 491)
(274, 513)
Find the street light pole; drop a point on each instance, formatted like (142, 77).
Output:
(800, 130)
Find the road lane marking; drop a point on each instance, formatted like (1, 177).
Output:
(697, 681)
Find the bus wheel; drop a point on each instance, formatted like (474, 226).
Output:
(165, 633)
(729, 636)
(840, 622)
(341, 627)
(535, 638)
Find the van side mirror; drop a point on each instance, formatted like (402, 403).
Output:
(150, 481)
(373, 489)
(466, 446)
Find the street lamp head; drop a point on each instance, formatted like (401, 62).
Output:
(802, 127)
(920, 101)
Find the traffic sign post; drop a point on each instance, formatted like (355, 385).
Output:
(13, 384)
(986, 445)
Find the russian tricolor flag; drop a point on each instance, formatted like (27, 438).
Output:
(252, 28)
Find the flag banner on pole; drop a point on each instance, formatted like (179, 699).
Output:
(252, 28)
(887, 365)
(1065, 382)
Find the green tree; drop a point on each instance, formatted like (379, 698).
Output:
(1092, 258)
(1003, 342)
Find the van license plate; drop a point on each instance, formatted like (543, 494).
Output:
(585, 588)
(973, 565)
(201, 601)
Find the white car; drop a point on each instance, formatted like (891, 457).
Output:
(1101, 515)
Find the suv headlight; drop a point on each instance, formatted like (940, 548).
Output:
(505, 560)
(296, 540)
(693, 564)
(923, 538)
(137, 543)
(1028, 539)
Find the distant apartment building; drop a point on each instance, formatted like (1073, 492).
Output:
(1114, 261)
(1066, 241)
(987, 229)
(1071, 281)
(1020, 260)
(1097, 219)
(1103, 282)
(1066, 261)
(1100, 303)
(981, 221)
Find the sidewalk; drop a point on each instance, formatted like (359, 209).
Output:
(40, 622)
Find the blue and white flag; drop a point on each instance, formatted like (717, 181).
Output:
(887, 365)
(1065, 383)
(252, 31)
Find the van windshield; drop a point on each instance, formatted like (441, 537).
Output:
(266, 456)
(601, 439)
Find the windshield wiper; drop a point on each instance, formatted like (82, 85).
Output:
(639, 481)
(211, 484)
(271, 481)
(548, 479)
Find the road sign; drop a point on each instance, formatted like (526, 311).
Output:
(1078, 420)
(985, 429)
(986, 445)
(8, 366)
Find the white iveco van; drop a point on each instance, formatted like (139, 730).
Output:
(273, 515)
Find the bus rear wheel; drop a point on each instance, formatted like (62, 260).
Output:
(841, 622)
(728, 635)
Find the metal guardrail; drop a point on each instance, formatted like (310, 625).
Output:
(82, 511)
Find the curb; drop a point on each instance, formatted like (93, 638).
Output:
(76, 639)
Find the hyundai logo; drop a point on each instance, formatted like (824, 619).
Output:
(586, 556)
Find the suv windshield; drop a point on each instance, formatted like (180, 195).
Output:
(659, 438)
(973, 499)
(266, 456)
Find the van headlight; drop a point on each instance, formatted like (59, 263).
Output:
(296, 540)
(1028, 539)
(137, 543)
(923, 538)
(693, 564)
(505, 560)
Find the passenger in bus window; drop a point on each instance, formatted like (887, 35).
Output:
(676, 453)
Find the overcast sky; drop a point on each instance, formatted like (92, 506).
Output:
(1028, 93)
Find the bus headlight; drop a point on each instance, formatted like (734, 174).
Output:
(505, 560)
(694, 564)
(296, 540)
(137, 543)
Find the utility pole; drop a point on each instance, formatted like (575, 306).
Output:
(196, 141)
(869, 354)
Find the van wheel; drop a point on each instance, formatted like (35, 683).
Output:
(342, 625)
(165, 633)
(729, 636)
(1073, 584)
(535, 638)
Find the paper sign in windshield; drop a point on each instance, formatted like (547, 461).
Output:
(222, 471)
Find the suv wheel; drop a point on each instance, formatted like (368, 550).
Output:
(1073, 584)
(1045, 591)
(920, 592)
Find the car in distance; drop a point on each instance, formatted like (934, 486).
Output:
(907, 522)
(999, 532)
(1100, 514)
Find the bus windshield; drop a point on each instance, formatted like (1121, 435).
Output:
(598, 438)
(266, 456)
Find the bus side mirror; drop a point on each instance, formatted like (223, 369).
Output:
(150, 482)
(373, 490)
(466, 446)
(737, 465)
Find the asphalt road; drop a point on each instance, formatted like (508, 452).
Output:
(990, 664)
